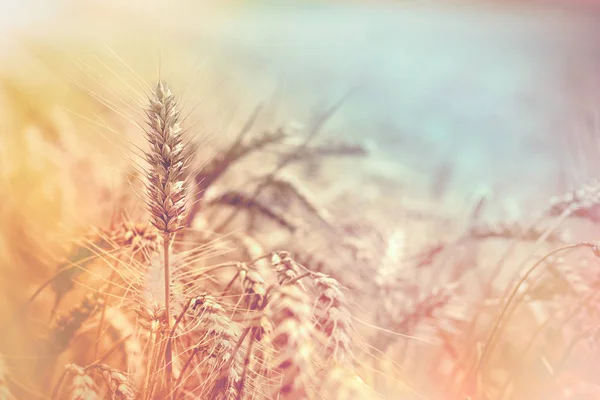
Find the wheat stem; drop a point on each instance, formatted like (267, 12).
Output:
(487, 348)
(169, 349)
(180, 380)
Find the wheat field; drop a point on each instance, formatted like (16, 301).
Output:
(176, 225)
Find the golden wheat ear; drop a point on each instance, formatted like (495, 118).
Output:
(166, 184)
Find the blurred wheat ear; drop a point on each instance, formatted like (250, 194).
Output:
(166, 187)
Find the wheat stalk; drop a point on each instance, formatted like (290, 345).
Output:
(5, 392)
(126, 340)
(151, 318)
(508, 308)
(166, 186)
(334, 148)
(511, 230)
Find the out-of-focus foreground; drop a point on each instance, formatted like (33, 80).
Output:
(201, 201)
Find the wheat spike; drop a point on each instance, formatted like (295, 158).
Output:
(292, 336)
(333, 318)
(142, 238)
(216, 337)
(406, 321)
(582, 202)
(285, 266)
(82, 386)
(66, 326)
(117, 382)
(254, 288)
(166, 185)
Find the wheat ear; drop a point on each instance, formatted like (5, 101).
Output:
(66, 326)
(290, 312)
(82, 386)
(216, 336)
(117, 383)
(334, 319)
(166, 184)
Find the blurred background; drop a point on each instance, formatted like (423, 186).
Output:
(489, 93)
